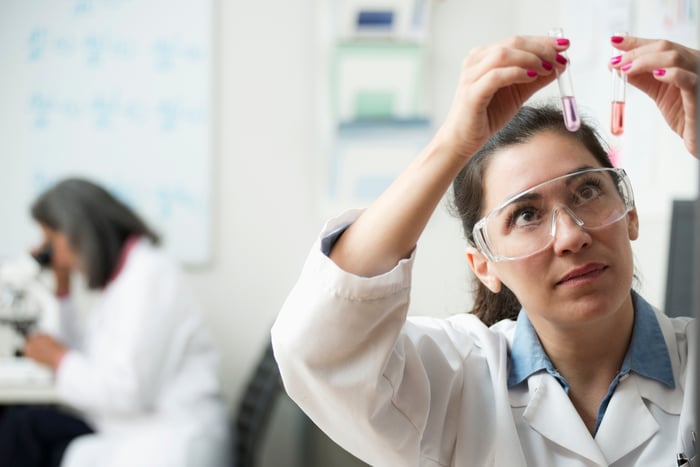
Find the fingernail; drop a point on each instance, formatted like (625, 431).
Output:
(615, 60)
(617, 39)
(626, 66)
(561, 59)
(659, 72)
(546, 65)
(531, 73)
(562, 41)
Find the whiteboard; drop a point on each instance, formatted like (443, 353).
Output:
(119, 91)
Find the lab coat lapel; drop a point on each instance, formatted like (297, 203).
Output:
(551, 413)
(626, 409)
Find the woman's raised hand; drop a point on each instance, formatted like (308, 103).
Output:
(495, 82)
(668, 73)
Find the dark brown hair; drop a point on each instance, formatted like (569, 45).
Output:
(468, 190)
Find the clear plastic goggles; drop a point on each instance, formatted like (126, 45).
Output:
(526, 223)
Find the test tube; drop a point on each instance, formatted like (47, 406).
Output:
(617, 107)
(566, 89)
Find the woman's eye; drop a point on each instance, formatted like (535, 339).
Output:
(587, 193)
(524, 217)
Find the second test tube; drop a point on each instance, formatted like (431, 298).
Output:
(617, 110)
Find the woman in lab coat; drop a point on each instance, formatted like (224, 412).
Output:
(140, 379)
(561, 363)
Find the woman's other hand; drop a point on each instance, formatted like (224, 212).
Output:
(668, 73)
(44, 349)
(62, 275)
(495, 82)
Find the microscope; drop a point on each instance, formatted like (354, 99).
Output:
(22, 294)
(18, 309)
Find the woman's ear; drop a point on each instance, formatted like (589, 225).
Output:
(633, 224)
(483, 269)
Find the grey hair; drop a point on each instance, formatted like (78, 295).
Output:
(96, 224)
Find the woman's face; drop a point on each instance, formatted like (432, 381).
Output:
(63, 256)
(583, 275)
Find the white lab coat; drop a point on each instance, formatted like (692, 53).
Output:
(143, 373)
(430, 392)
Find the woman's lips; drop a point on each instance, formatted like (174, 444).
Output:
(582, 274)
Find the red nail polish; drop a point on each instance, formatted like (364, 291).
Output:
(659, 72)
(546, 65)
(617, 39)
(626, 67)
(531, 73)
(561, 59)
(615, 60)
(562, 41)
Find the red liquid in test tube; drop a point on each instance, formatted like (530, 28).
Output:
(617, 107)
(617, 118)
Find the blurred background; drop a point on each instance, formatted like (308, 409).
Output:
(237, 128)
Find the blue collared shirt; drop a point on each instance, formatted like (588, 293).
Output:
(647, 354)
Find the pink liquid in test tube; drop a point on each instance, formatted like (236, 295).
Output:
(571, 117)
(617, 118)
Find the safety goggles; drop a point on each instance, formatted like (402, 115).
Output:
(526, 223)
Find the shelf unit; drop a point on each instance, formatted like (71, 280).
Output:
(373, 107)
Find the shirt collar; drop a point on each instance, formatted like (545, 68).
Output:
(647, 354)
(527, 355)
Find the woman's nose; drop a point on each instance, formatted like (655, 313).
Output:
(569, 234)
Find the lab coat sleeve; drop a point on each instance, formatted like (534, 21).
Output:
(70, 330)
(143, 322)
(350, 360)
